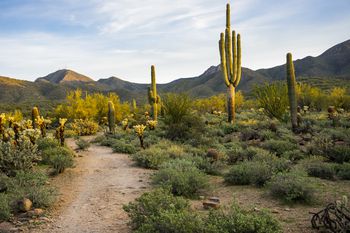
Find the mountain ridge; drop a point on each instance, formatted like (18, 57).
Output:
(334, 62)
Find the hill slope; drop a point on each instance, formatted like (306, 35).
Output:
(334, 62)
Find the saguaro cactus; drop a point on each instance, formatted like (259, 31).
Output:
(291, 82)
(153, 98)
(230, 53)
(35, 116)
(111, 117)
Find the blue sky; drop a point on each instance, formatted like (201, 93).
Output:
(123, 38)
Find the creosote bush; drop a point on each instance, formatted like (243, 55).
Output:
(59, 158)
(160, 211)
(182, 176)
(82, 144)
(292, 187)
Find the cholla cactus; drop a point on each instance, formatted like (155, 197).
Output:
(139, 130)
(10, 120)
(30, 135)
(60, 130)
(8, 135)
(125, 123)
(2, 124)
(151, 124)
(42, 123)
(27, 124)
(35, 115)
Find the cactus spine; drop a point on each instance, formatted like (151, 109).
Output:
(291, 82)
(111, 117)
(230, 53)
(35, 116)
(153, 98)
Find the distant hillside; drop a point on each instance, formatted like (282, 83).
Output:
(333, 64)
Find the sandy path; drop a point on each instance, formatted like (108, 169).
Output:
(93, 193)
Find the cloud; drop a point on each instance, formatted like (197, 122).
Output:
(101, 38)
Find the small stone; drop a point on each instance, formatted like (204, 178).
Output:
(287, 209)
(25, 205)
(275, 211)
(38, 212)
(140, 180)
(256, 209)
(211, 204)
(214, 199)
(201, 197)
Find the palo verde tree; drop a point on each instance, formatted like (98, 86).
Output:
(230, 53)
(292, 94)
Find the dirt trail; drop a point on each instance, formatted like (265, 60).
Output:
(93, 193)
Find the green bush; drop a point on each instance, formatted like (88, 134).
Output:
(292, 187)
(339, 153)
(182, 176)
(45, 143)
(14, 158)
(239, 220)
(249, 133)
(279, 146)
(150, 206)
(59, 158)
(273, 98)
(5, 209)
(343, 171)
(120, 146)
(152, 157)
(321, 169)
(82, 144)
(251, 172)
(31, 185)
(208, 166)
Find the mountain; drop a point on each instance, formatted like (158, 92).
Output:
(333, 64)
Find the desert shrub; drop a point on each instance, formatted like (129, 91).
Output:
(229, 128)
(176, 107)
(45, 143)
(279, 146)
(320, 169)
(120, 146)
(160, 211)
(266, 134)
(182, 176)
(293, 155)
(14, 158)
(338, 153)
(84, 127)
(238, 220)
(343, 171)
(208, 166)
(273, 98)
(5, 209)
(249, 133)
(82, 144)
(99, 139)
(31, 185)
(151, 157)
(292, 187)
(59, 158)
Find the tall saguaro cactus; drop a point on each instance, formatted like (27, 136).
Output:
(111, 117)
(291, 82)
(153, 98)
(230, 53)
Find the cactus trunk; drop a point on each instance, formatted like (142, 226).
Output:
(153, 98)
(111, 117)
(230, 54)
(35, 116)
(231, 104)
(291, 82)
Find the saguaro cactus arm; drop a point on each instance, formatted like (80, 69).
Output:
(291, 82)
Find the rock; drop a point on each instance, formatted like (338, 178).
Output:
(5, 227)
(287, 209)
(214, 199)
(211, 204)
(25, 205)
(256, 209)
(275, 211)
(35, 213)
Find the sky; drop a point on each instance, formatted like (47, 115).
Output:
(123, 38)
